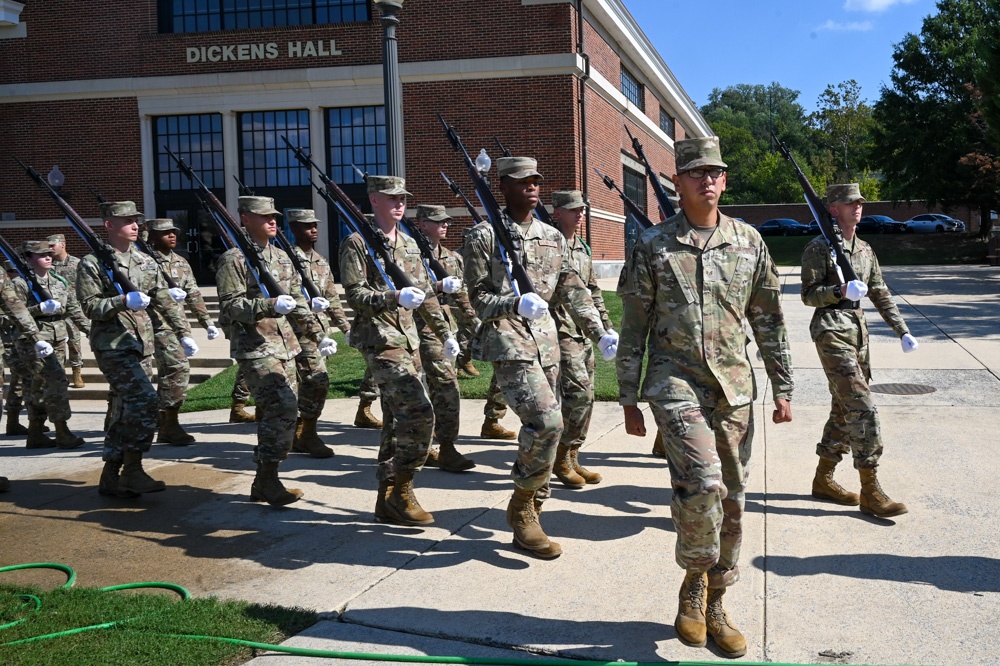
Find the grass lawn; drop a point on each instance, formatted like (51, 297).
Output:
(135, 641)
(895, 249)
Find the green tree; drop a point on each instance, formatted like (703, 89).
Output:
(844, 125)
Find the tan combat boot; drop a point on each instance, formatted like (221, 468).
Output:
(588, 476)
(384, 490)
(693, 597)
(14, 426)
(874, 501)
(493, 430)
(4, 484)
(239, 414)
(469, 369)
(825, 488)
(402, 507)
(37, 439)
(563, 469)
(433, 457)
(523, 519)
(267, 487)
(659, 450)
(109, 481)
(171, 431)
(65, 439)
(727, 638)
(307, 440)
(364, 418)
(134, 477)
(77, 378)
(450, 460)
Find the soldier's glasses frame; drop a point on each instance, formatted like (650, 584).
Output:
(698, 174)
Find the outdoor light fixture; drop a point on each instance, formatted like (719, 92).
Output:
(56, 178)
(483, 162)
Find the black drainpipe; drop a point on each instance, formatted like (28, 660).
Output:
(583, 109)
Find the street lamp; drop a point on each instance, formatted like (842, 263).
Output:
(393, 87)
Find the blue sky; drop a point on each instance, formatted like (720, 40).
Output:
(804, 45)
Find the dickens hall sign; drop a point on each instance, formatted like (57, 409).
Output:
(262, 51)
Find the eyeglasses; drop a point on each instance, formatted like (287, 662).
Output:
(698, 174)
(442, 223)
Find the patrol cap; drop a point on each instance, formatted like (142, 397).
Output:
(698, 153)
(517, 167)
(119, 209)
(391, 185)
(37, 247)
(258, 205)
(569, 199)
(432, 213)
(56, 238)
(844, 193)
(302, 215)
(162, 224)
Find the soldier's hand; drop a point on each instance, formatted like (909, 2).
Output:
(410, 297)
(50, 306)
(178, 294)
(635, 424)
(532, 306)
(909, 343)
(451, 349)
(608, 345)
(213, 332)
(319, 304)
(451, 285)
(284, 304)
(327, 347)
(856, 290)
(136, 300)
(43, 349)
(782, 411)
(189, 345)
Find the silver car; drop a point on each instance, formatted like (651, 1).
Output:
(934, 223)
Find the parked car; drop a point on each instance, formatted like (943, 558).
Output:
(881, 224)
(814, 228)
(782, 226)
(934, 223)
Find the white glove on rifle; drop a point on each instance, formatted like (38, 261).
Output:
(451, 349)
(43, 349)
(532, 306)
(178, 294)
(909, 343)
(327, 347)
(451, 285)
(136, 300)
(856, 290)
(189, 345)
(319, 304)
(608, 344)
(284, 304)
(411, 297)
(213, 332)
(50, 306)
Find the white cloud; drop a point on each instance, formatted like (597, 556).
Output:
(851, 26)
(872, 5)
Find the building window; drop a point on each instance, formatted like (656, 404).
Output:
(356, 137)
(635, 186)
(631, 87)
(265, 160)
(207, 15)
(666, 123)
(195, 138)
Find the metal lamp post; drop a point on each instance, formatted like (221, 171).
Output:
(393, 87)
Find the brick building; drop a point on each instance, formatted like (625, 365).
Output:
(98, 88)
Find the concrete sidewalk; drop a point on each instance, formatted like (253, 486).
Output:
(820, 583)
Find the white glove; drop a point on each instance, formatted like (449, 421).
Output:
(284, 304)
(451, 285)
(327, 347)
(213, 332)
(50, 306)
(856, 290)
(178, 294)
(347, 338)
(532, 306)
(136, 300)
(411, 297)
(43, 349)
(909, 343)
(189, 345)
(319, 304)
(451, 349)
(608, 344)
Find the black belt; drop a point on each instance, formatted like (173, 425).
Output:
(843, 305)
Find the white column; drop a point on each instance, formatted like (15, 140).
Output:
(231, 157)
(317, 148)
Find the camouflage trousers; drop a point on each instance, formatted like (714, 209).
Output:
(496, 404)
(407, 414)
(533, 393)
(442, 383)
(17, 392)
(368, 391)
(133, 412)
(46, 381)
(74, 344)
(173, 370)
(241, 392)
(853, 426)
(272, 383)
(708, 449)
(314, 380)
(464, 337)
(576, 389)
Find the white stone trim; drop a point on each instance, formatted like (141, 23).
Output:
(10, 12)
(19, 31)
(602, 214)
(60, 222)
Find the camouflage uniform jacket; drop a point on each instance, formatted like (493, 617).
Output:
(456, 307)
(580, 258)
(689, 300)
(17, 321)
(66, 268)
(321, 274)
(257, 330)
(506, 336)
(819, 277)
(115, 327)
(378, 320)
(178, 268)
(52, 328)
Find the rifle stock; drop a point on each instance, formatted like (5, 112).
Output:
(661, 194)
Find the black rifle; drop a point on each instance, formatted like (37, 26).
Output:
(375, 241)
(476, 217)
(39, 292)
(630, 205)
(541, 212)
(662, 199)
(510, 244)
(104, 253)
(827, 225)
(230, 228)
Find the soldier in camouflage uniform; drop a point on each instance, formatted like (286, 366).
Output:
(121, 336)
(688, 287)
(48, 378)
(442, 380)
(263, 343)
(386, 334)
(519, 336)
(840, 332)
(65, 266)
(368, 391)
(576, 376)
(15, 391)
(173, 368)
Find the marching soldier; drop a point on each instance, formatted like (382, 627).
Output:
(16, 395)
(263, 343)
(121, 337)
(519, 337)
(65, 266)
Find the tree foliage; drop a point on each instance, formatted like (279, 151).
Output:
(844, 125)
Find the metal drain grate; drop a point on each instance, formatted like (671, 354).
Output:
(902, 389)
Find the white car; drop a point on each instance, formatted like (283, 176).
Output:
(934, 223)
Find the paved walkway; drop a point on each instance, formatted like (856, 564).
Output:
(821, 583)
